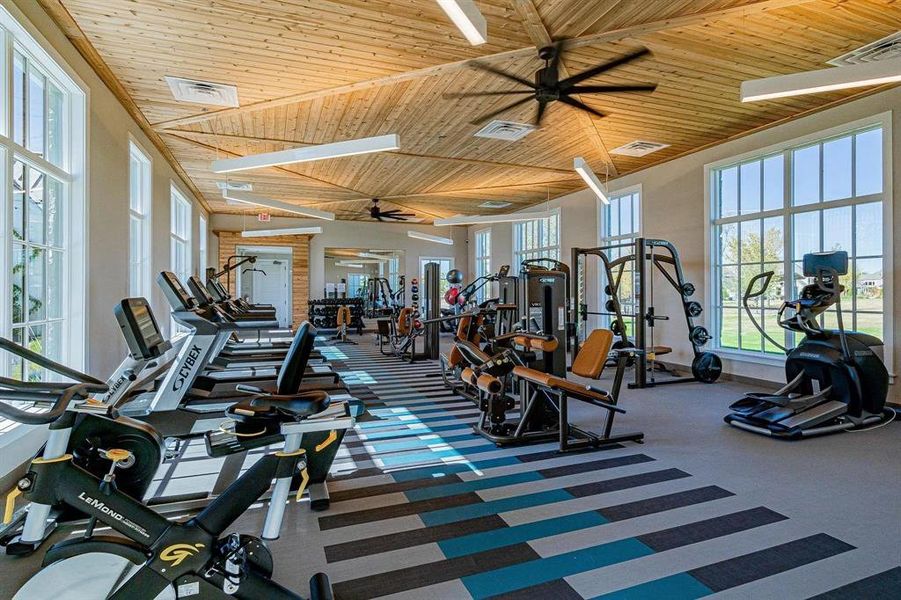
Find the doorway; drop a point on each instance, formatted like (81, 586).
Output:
(268, 281)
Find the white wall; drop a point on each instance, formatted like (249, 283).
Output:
(357, 234)
(673, 208)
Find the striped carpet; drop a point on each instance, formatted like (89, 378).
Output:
(424, 508)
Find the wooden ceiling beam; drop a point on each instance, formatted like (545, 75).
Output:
(451, 159)
(699, 18)
(539, 34)
(70, 28)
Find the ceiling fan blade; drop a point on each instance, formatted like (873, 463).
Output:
(493, 114)
(605, 89)
(504, 74)
(580, 105)
(476, 94)
(542, 106)
(559, 48)
(580, 77)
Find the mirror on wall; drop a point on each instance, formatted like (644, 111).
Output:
(348, 271)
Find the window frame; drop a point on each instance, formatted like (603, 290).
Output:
(202, 243)
(788, 209)
(18, 36)
(482, 260)
(144, 217)
(603, 240)
(520, 253)
(179, 200)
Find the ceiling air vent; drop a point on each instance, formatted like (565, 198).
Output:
(203, 92)
(505, 130)
(639, 148)
(884, 49)
(494, 204)
(236, 186)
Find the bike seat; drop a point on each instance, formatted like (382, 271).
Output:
(272, 409)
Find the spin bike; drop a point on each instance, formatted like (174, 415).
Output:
(157, 558)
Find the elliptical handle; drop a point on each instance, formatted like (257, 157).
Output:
(91, 384)
(768, 277)
(766, 284)
(29, 418)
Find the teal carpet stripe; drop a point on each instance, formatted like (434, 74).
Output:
(681, 586)
(471, 511)
(498, 538)
(499, 581)
(452, 489)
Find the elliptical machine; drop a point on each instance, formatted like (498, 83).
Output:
(836, 378)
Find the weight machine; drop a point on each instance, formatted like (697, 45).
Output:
(645, 255)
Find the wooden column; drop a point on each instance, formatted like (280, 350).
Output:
(300, 265)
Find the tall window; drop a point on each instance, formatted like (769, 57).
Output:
(483, 261)
(202, 246)
(180, 236)
(620, 225)
(444, 265)
(357, 285)
(771, 210)
(42, 119)
(139, 201)
(538, 238)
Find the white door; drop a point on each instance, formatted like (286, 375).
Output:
(272, 285)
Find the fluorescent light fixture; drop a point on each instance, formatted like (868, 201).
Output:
(245, 198)
(486, 219)
(342, 263)
(430, 238)
(275, 232)
(590, 178)
(378, 257)
(466, 16)
(379, 143)
(823, 80)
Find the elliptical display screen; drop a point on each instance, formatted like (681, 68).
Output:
(139, 326)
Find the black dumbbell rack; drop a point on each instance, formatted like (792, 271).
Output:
(323, 312)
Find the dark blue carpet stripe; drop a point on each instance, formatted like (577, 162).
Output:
(882, 585)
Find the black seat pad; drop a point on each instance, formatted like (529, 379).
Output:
(281, 408)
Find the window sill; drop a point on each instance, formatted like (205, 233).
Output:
(768, 360)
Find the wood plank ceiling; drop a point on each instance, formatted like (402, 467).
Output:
(317, 71)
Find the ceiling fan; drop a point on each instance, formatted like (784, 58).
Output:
(548, 87)
(380, 215)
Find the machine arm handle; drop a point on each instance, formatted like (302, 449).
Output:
(28, 418)
(767, 276)
(91, 384)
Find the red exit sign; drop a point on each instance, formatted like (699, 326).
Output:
(264, 217)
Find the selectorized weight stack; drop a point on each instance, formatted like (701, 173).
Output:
(644, 255)
(431, 309)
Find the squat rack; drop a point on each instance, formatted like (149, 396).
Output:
(646, 254)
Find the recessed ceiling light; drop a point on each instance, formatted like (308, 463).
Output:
(494, 204)
(203, 92)
(508, 131)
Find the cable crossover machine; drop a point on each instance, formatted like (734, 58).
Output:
(643, 255)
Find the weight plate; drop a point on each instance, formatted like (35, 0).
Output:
(608, 290)
(615, 328)
(707, 367)
(688, 289)
(694, 308)
(699, 335)
(610, 305)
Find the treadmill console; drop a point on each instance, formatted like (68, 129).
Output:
(176, 294)
(199, 291)
(216, 289)
(141, 331)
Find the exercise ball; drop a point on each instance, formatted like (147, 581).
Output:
(454, 276)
